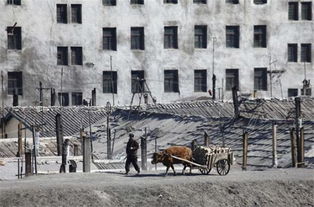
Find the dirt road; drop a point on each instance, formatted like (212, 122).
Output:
(281, 187)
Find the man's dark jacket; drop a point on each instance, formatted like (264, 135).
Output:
(134, 145)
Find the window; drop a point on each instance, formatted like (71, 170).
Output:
(306, 10)
(137, 81)
(200, 80)
(76, 10)
(292, 53)
(171, 37)
(260, 1)
(260, 36)
(232, 1)
(260, 79)
(306, 54)
(109, 2)
(200, 36)
(14, 2)
(137, 1)
(15, 83)
(62, 56)
(292, 92)
(171, 81)
(77, 98)
(109, 39)
(232, 36)
(14, 38)
(293, 13)
(137, 38)
(62, 16)
(76, 56)
(199, 1)
(232, 79)
(63, 99)
(170, 1)
(110, 82)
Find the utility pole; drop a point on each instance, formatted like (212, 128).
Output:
(235, 102)
(2, 106)
(213, 75)
(112, 85)
(61, 95)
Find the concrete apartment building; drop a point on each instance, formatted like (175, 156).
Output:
(264, 47)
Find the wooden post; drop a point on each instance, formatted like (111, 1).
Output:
(245, 150)
(86, 154)
(75, 150)
(155, 150)
(94, 97)
(206, 139)
(20, 140)
(301, 162)
(52, 97)
(235, 102)
(144, 150)
(28, 163)
(274, 135)
(59, 133)
(293, 147)
(297, 128)
(109, 155)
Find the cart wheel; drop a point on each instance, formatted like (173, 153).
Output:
(205, 171)
(223, 167)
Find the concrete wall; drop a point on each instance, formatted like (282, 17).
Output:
(41, 35)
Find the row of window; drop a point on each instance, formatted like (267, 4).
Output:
(306, 10)
(114, 2)
(306, 53)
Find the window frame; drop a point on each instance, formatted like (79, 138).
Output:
(111, 79)
(109, 2)
(233, 36)
(232, 73)
(61, 59)
(76, 13)
(200, 36)
(137, 2)
(260, 36)
(308, 15)
(307, 49)
(137, 38)
(62, 13)
(14, 39)
(171, 37)
(171, 81)
(15, 78)
(78, 97)
(200, 80)
(293, 11)
(111, 38)
(292, 52)
(260, 79)
(76, 55)
(139, 74)
(199, 1)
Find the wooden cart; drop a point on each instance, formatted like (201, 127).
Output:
(221, 158)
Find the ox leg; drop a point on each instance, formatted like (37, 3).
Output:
(167, 170)
(174, 172)
(183, 169)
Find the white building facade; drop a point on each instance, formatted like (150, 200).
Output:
(264, 47)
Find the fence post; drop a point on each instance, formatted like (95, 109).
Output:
(86, 153)
(301, 162)
(20, 140)
(293, 147)
(59, 133)
(144, 150)
(109, 151)
(206, 139)
(274, 135)
(245, 150)
(28, 163)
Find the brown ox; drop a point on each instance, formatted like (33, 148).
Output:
(178, 151)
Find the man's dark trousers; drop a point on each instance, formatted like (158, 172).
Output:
(131, 159)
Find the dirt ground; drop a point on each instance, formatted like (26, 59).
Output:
(273, 187)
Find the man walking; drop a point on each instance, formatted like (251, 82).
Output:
(131, 152)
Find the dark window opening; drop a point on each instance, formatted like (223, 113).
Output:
(260, 79)
(77, 98)
(76, 10)
(306, 53)
(260, 34)
(76, 56)
(110, 2)
(109, 82)
(293, 12)
(14, 38)
(232, 36)
(62, 16)
(137, 38)
(137, 1)
(171, 37)
(200, 80)
(14, 2)
(292, 92)
(200, 36)
(292, 53)
(171, 81)
(63, 99)
(232, 79)
(260, 1)
(62, 56)
(232, 1)
(137, 81)
(170, 1)
(109, 39)
(199, 1)
(306, 10)
(15, 83)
